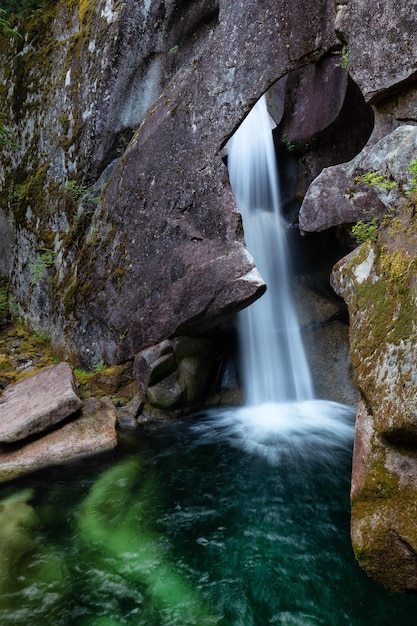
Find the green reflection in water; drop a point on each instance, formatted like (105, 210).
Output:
(206, 521)
(32, 575)
(114, 527)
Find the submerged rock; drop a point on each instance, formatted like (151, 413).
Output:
(92, 432)
(38, 403)
(17, 520)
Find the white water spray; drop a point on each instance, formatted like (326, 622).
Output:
(275, 367)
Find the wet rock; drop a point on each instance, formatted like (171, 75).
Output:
(17, 522)
(153, 364)
(92, 432)
(127, 415)
(325, 334)
(384, 506)
(193, 373)
(168, 393)
(38, 403)
(196, 358)
(111, 380)
(175, 374)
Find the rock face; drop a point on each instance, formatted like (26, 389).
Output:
(38, 403)
(382, 46)
(326, 343)
(161, 252)
(379, 283)
(185, 254)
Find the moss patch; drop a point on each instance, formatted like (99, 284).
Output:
(384, 308)
(22, 352)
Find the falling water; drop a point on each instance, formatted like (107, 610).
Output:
(275, 367)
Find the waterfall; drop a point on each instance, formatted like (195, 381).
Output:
(275, 367)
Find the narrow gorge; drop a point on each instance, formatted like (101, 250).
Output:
(126, 254)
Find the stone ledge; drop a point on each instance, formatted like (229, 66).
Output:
(37, 403)
(92, 432)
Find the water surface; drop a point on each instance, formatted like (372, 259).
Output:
(232, 517)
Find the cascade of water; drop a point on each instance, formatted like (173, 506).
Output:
(275, 368)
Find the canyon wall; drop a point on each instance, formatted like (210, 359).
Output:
(120, 234)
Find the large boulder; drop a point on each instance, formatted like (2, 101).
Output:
(345, 193)
(314, 96)
(379, 283)
(380, 51)
(173, 377)
(169, 256)
(38, 403)
(91, 432)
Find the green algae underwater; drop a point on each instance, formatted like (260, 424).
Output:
(231, 517)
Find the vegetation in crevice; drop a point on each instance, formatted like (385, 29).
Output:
(344, 57)
(363, 230)
(43, 261)
(413, 182)
(376, 180)
(4, 306)
(22, 352)
(388, 295)
(366, 229)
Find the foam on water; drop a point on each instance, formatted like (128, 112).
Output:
(315, 427)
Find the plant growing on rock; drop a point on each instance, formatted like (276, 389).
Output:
(344, 57)
(5, 134)
(363, 231)
(43, 261)
(4, 309)
(18, 6)
(287, 142)
(413, 183)
(5, 27)
(7, 31)
(99, 367)
(77, 190)
(376, 180)
(397, 266)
